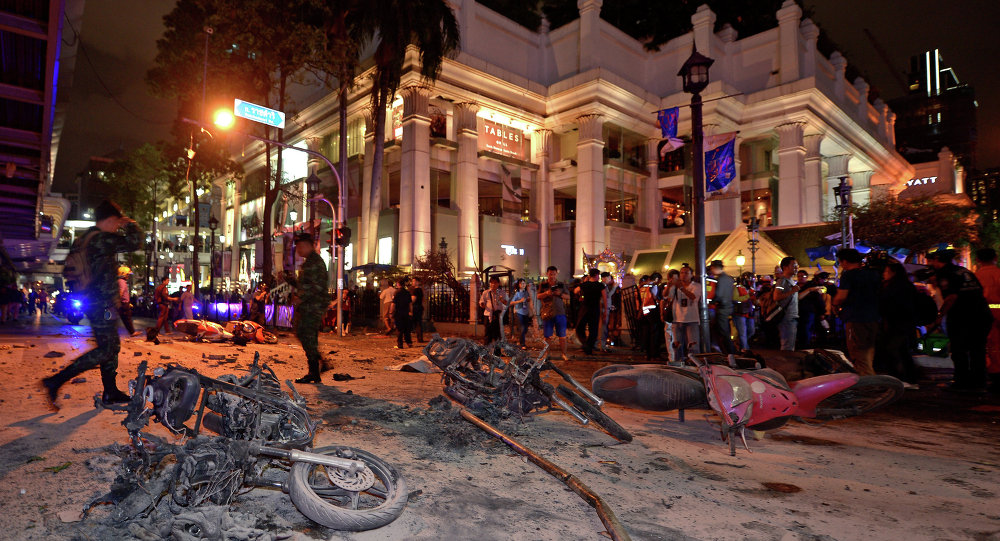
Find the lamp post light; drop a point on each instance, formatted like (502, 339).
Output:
(752, 228)
(740, 260)
(694, 75)
(843, 194)
(213, 223)
(312, 185)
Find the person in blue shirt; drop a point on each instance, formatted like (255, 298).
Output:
(523, 308)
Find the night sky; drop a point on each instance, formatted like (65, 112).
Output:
(120, 39)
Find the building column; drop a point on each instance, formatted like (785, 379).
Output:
(543, 198)
(839, 64)
(590, 32)
(791, 172)
(415, 177)
(589, 226)
(703, 29)
(651, 202)
(368, 214)
(837, 166)
(810, 33)
(861, 187)
(467, 187)
(812, 196)
(789, 17)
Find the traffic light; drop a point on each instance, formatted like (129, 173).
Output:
(342, 236)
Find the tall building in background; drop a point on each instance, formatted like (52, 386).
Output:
(938, 112)
(38, 52)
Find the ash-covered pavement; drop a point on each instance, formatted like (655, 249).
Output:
(927, 467)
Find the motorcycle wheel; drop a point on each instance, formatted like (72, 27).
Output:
(268, 337)
(74, 320)
(594, 414)
(868, 393)
(316, 497)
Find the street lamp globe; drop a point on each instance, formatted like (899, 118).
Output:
(740, 259)
(213, 223)
(223, 118)
(694, 72)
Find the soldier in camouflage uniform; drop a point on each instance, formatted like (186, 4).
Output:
(311, 300)
(102, 301)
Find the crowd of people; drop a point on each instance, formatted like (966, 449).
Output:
(875, 310)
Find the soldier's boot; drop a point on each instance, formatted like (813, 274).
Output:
(57, 380)
(112, 395)
(313, 375)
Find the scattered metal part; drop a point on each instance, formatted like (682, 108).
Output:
(616, 529)
(500, 380)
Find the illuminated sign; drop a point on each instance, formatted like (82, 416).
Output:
(921, 181)
(501, 139)
(512, 250)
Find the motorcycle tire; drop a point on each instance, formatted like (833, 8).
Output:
(594, 414)
(870, 392)
(324, 503)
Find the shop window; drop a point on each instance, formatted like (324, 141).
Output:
(565, 209)
(671, 162)
(675, 207)
(384, 251)
(757, 203)
(621, 210)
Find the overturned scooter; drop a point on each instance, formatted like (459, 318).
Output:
(763, 400)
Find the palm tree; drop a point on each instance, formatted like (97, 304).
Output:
(394, 25)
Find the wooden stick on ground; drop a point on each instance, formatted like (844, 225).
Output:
(611, 522)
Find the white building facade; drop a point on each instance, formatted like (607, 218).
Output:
(532, 148)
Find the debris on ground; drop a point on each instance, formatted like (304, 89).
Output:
(53, 354)
(421, 365)
(78, 380)
(345, 377)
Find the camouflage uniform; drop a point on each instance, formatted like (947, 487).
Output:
(102, 302)
(314, 297)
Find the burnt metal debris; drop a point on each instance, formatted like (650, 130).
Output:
(501, 380)
(262, 439)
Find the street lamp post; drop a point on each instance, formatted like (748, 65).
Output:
(213, 223)
(752, 228)
(843, 194)
(694, 74)
(225, 121)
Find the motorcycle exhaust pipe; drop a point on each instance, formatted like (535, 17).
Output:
(598, 401)
(294, 455)
(570, 409)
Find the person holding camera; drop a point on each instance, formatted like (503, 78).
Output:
(493, 301)
(553, 296)
(682, 297)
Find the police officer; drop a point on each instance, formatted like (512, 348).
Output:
(311, 299)
(102, 301)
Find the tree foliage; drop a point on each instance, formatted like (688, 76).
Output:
(142, 181)
(394, 25)
(436, 267)
(918, 226)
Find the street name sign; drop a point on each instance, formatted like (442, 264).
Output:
(259, 113)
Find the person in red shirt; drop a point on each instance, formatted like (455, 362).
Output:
(989, 276)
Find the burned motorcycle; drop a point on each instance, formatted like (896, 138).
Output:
(263, 441)
(504, 379)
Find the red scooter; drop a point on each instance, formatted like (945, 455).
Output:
(762, 399)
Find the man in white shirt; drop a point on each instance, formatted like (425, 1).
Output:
(682, 297)
(386, 303)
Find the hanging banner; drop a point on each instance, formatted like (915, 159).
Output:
(720, 162)
(666, 119)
